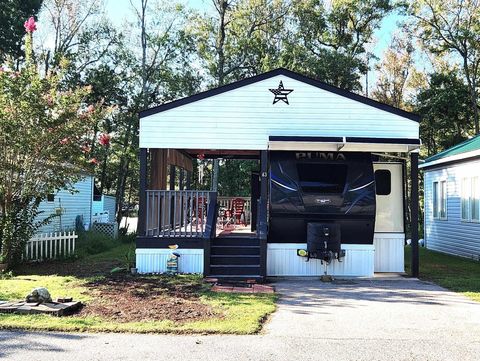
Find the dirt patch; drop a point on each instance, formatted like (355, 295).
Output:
(124, 298)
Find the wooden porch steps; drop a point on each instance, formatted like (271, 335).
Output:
(235, 258)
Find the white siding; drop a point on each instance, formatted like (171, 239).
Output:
(452, 235)
(72, 205)
(389, 252)
(282, 260)
(245, 117)
(155, 260)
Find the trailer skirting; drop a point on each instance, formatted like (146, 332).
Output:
(282, 260)
(361, 260)
(154, 260)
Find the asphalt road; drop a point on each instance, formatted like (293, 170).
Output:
(347, 320)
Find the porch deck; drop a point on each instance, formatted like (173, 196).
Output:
(190, 214)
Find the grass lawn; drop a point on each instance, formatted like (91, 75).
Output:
(455, 273)
(187, 303)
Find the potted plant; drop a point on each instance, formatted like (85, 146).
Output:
(3, 263)
(130, 261)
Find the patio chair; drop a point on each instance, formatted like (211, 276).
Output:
(199, 206)
(238, 210)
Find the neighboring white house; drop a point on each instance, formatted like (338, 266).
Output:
(452, 200)
(80, 204)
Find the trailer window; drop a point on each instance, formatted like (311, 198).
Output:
(322, 178)
(383, 182)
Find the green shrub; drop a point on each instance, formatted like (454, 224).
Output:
(91, 242)
(127, 237)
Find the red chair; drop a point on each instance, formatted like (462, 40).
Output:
(200, 205)
(238, 210)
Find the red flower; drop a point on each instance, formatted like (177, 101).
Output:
(30, 25)
(93, 161)
(64, 141)
(104, 139)
(85, 149)
(201, 156)
(90, 109)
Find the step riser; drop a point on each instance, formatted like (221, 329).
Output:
(235, 251)
(234, 270)
(235, 242)
(237, 260)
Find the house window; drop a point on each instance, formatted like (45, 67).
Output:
(470, 199)
(475, 199)
(465, 189)
(383, 182)
(51, 197)
(440, 200)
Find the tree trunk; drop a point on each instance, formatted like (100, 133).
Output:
(144, 55)
(222, 9)
(472, 84)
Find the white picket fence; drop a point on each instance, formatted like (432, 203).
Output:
(50, 246)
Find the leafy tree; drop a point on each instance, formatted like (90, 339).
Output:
(239, 39)
(446, 112)
(452, 27)
(43, 146)
(11, 28)
(395, 71)
(330, 42)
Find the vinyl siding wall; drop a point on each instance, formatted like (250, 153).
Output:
(107, 203)
(245, 117)
(451, 235)
(79, 203)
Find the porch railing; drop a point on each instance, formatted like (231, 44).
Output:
(226, 203)
(177, 213)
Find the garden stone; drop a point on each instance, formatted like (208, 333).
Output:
(39, 294)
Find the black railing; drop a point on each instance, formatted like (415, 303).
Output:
(180, 213)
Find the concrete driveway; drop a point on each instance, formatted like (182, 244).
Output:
(347, 320)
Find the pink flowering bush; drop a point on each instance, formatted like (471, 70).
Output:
(104, 139)
(43, 134)
(30, 25)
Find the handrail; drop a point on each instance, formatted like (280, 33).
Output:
(172, 213)
(212, 212)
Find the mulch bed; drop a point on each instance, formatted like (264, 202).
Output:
(124, 298)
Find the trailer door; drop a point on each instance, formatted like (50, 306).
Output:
(389, 197)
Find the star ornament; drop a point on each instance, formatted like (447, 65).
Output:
(281, 93)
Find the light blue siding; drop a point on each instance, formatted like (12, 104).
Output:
(107, 203)
(71, 204)
(451, 235)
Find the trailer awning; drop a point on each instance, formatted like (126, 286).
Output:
(344, 144)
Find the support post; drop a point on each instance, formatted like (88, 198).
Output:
(142, 199)
(181, 178)
(216, 169)
(262, 227)
(172, 178)
(414, 212)
(189, 180)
